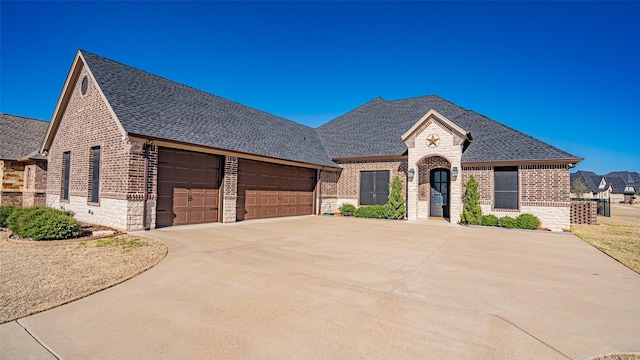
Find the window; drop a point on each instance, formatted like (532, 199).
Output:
(374, 187)
(66, 167)
(505, 187)
(94, 175)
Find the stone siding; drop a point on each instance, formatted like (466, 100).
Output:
(111, 212)
(449, 149)
(230, 189)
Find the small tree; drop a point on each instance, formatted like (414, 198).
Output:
(579, 188)
(472, 213)
(396, 206)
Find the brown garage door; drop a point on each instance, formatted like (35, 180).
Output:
(188, 184)
(269, 190)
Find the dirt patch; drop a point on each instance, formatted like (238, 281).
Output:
(618, 235)
(38, 277)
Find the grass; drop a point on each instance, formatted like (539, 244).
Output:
(618, 236)
(125, 243)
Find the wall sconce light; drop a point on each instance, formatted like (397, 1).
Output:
(411, 174)
(454, 172)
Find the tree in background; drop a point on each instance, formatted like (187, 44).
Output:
(472, 213)
(579, 188)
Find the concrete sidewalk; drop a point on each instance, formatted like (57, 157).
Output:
(343, 288)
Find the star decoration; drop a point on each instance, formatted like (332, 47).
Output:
(433, 140)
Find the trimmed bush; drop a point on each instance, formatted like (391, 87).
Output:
(528, 221)
(396, 208)
(508, 222)
(5, 212)
(489, 220)
(472, 212)
(371, 211)
(43, 223)
(347, 210)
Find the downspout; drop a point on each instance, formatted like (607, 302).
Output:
(319, 192)
(144, 181)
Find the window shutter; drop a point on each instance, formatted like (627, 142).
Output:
(374, 187)
(505, 187)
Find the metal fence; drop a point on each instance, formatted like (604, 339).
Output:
(604, 205)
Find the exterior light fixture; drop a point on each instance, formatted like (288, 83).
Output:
(454, 172)
(411, 174)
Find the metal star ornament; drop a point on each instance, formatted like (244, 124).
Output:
(433, 140)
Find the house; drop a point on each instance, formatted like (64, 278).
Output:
(23, 170)
(133, 150)
(596, 186)
(618, 186)
(625, 185)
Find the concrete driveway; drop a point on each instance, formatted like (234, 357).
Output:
(343, 288)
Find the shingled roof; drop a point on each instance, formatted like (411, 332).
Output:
(151, 106)
(376, 127)
(589, 178)
(21, 137)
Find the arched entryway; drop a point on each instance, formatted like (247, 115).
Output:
(434, 187)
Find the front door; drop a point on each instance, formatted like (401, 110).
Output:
(439, 202)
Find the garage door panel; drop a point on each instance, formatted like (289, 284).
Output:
(272, 190)
(188, 187)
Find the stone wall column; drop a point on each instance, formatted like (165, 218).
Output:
(230, 188)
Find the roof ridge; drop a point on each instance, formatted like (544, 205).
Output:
(23, 117)
(193, 88)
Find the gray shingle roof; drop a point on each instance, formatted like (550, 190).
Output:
(621, 179)
(20, 137)
(375, 128)
(152, 106)
(589, 178)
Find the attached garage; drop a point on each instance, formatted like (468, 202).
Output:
(267, 190)
(188, 187)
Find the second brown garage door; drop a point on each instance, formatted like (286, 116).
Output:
(188, 187)
(268, 190)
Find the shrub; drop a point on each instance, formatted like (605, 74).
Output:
(489, 220)
(395, 208)
(508, 222)
(5, 212)
(347, 210)
(528, 221)
(43, 223)
(472, 213)
(371, 211)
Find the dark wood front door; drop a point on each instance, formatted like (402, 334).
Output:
(439, 199)
(188, 187)
(267, 190)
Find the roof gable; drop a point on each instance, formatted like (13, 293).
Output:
(21, 137)
(151, 106)
(433, 115)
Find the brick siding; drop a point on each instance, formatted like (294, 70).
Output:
(484, 177)
(348, 186)
(424, 173)
(584, 212)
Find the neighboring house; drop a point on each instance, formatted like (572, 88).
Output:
(597, 186)
(23, 171)
(625, 185)
(132, 150)
(618, 186)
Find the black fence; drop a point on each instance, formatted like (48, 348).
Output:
(604, 205)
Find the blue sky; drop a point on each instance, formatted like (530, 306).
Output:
(567, 73)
